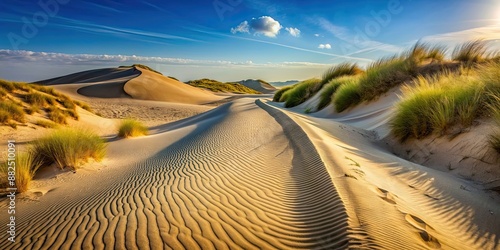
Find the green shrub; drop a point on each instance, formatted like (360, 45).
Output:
(131, 128)
(14, 110)
(330, 89)
(347, 95)
(69, 148)
(279, 93)
(470, 52)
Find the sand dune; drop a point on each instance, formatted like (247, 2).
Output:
(200, 184)
(262, 87)
(130, 82)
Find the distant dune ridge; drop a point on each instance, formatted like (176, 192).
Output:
(133, 82)
(259, 85)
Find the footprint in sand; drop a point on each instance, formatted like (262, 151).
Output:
(385, 195)
(423, 231)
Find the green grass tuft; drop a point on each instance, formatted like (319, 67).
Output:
(9, 86)
(347, 95)
(343, 69)
(300, 92)
(132, 128)
(329, 90)
(217, 86)
(69, 148)
(279, 93)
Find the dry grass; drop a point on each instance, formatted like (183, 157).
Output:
(69, 148)
(470, 52)
(132, 128)
(25, 168)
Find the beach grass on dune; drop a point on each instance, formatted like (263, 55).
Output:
(450, 99)
(57, 116)
(329, 90)
(216, 86)
(346, 95)
(342, 69)
(470, 52)
(26, 166)
(69, 147)
(11, 111)
(46, 124)
(494, 138)
(300, 93)
(279, 93)
(132, 128)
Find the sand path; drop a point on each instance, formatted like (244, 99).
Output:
(234, 177)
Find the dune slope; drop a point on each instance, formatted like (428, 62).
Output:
(212, 181)
(262, 87)
(156, 87)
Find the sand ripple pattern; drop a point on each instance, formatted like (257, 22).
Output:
(238, 181)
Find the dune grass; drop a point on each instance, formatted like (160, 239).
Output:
(39, 99)
(12, 111)
(470, 52)
(46, 124)
(25, 169)
(436, 104)
(131, 128)
(343, 69)
(279, 93)
(69, 148)
(216, 86)
(346, 95)
(57, 116)
(9, 86)
(300, 92)
(329, 90)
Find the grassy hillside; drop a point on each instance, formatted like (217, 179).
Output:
(216, 86)
(439, 94)
(21, 100)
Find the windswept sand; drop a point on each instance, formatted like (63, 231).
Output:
(229, 178)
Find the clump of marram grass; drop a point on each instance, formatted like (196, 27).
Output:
(346, 95)
(425, 51)
(9, 86)
(343, 69)
(26, 167)
(57, 116)
(83, 106)
(494, 138)
(434, 105)
(132, 128)
(470, 52)
(39, 99)
(279, 93)
(69, 148)
(300, 93)
(46, 124)
(329, 90)
(12, 111)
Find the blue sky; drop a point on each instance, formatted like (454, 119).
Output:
(227, 40)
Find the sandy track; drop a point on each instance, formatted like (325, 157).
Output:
(229, 178)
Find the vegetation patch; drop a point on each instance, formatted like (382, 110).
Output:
(69, 148)
(329, 90)
(436, 104)
(12, 111)
(279, 93)
(132, 128)
(228, 87)
(26, 167)
(300, 93)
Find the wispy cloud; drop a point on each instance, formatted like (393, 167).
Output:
(20, 56)
(285, 46)
(325, 46)
(487, 33)
(103, 7)
(293, 31)
(359, 42)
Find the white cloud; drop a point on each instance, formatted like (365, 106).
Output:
(325, 46)
(487, 33)
(242, 28)
(264, 25)
(293, 31)
(316, 35)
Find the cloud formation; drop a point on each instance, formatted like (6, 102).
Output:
(325, 46)
(264, 25)
(293, 31)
